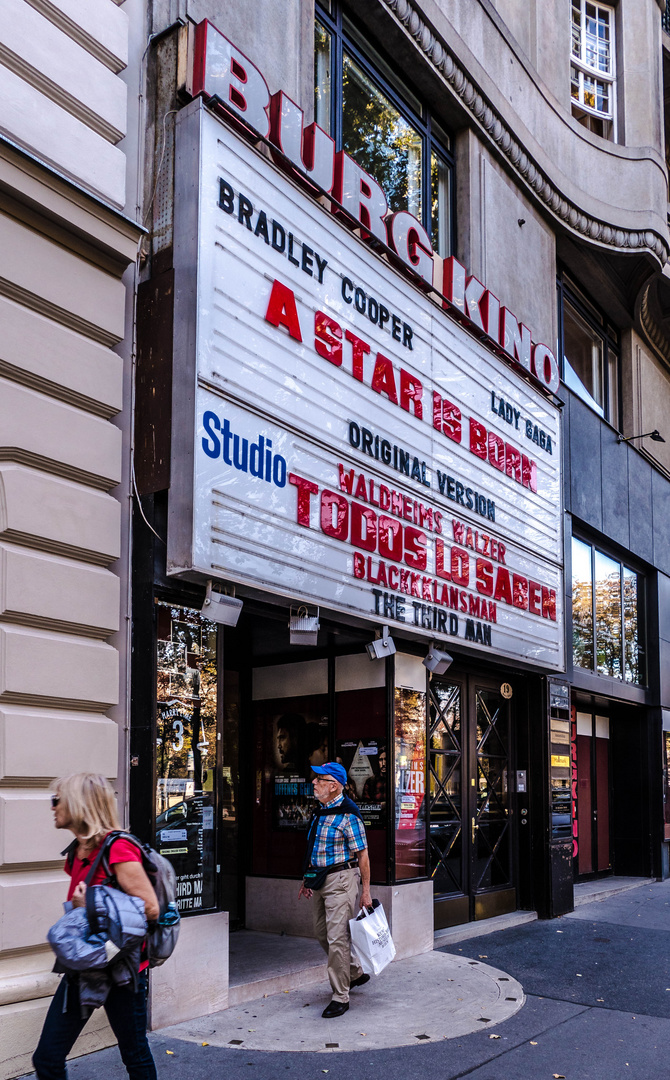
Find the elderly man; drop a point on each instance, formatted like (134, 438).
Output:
(336, 851)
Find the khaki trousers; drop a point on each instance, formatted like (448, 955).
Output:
(334, 905)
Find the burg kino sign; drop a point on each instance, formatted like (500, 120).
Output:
(339, 439)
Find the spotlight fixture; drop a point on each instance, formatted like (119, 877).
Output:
(304, 627)
(437, 660)
(654, 435)
(220, 607)
(382, 646)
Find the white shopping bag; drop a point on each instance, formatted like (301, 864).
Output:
(371, 941)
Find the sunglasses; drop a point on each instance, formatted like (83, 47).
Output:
(55, 799)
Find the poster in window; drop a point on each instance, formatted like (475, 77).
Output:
(365, 762)
(186, 752)
(410, 782)
(299, 741)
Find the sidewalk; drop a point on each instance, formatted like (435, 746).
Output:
(597, 1007)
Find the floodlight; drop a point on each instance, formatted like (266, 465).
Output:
(220, 607)
(382, 646)
(304, 628)
(437, 660)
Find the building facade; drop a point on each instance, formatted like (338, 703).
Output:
(69, 246)
(401, 348)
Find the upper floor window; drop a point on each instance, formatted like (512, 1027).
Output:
(607, 615)
(592, 67)
(590, 350)
(375, 116)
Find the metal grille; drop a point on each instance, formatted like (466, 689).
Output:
(446, 767)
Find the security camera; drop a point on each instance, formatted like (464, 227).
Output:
(382, 646)
(437, 660)
(221, 608)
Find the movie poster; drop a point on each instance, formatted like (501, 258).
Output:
(410, 782)
(365, 762)
(299, 741)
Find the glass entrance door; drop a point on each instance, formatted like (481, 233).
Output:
(470, 821)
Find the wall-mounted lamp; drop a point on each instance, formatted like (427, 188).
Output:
(220, 607)
(437, 660)
(382, 646)
(655, 435)
(303, 627)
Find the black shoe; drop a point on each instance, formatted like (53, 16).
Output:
(360, 981)
(336, 1008)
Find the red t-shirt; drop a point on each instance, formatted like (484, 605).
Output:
(121, 851)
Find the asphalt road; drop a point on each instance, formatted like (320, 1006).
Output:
(598, 1008)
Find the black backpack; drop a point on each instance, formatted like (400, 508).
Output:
(163, 934)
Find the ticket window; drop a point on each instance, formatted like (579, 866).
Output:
(291, 733)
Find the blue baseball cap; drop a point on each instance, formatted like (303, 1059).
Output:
(334, 769)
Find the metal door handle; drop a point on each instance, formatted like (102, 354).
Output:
(474, 829)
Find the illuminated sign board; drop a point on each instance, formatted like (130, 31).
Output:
(235, 87)
(338, 441)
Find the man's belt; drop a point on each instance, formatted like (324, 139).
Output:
(351, 864)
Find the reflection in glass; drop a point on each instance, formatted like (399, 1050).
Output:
(186, 723)
(440, 177)
(445, 788)
(630, 626)
(608, 615)
(322, 76)
(379, 138)
(583, 359)
(582, 605)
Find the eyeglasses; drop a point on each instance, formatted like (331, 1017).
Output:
(55, 799)
(323, 780)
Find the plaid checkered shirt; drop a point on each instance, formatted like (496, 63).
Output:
(338, 839)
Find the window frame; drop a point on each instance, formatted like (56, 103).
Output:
(585, 69)
(624, 564)
(597, 322)
(332, 17)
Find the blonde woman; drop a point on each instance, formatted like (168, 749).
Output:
(85, 804)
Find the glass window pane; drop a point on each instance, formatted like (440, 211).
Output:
(322, 76)
(608, 615)
(388, 72)
(630, 626)
(381, 140)
(440, 179)
(576, 29)
(613, 388)
(186, 729)
(582, 605)
(583, 359)
(410, 783)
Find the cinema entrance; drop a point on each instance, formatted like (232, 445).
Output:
(471, 795)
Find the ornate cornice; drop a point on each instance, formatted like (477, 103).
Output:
(461, 83)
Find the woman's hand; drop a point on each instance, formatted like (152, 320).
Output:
(79, 895)
(132, 878)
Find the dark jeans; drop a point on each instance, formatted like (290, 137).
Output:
(127, 1015)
